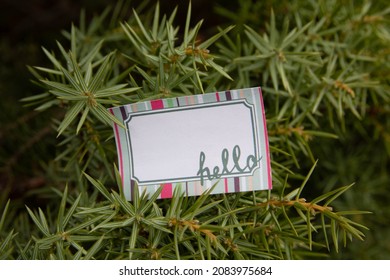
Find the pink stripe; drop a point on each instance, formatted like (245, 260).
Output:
(119, 148)
(266, 141)
(226, 185)
(166, 191)
(217, 95)
(157, 104)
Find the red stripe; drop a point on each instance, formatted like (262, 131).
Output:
(157, 104)
(266, 141)
(217, 95)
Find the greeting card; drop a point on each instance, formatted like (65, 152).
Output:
(193, 143)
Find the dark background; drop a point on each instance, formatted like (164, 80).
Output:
(26, 26)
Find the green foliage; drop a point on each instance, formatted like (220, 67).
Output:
(324, 70)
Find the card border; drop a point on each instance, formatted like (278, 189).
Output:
(255, 139)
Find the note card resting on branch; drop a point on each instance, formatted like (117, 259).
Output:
(194, 143)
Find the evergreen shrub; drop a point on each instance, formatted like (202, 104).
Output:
(324, 70)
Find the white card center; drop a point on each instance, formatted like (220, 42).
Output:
(165, 145)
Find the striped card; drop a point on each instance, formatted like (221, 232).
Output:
(194, 143)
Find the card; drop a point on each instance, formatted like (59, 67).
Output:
(194, 143)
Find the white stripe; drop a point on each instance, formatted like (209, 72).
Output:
(234, 93)
(243, 184)
(200, 99)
